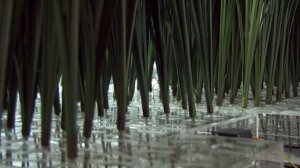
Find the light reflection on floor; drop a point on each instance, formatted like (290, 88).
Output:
(159, 141)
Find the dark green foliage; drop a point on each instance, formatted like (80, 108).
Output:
(210, 45)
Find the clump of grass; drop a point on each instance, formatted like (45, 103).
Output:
(206, 40)
(253, 13)
(226, 23)
(215, 45)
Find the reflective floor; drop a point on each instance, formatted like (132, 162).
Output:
(138, 146)
(159, 141)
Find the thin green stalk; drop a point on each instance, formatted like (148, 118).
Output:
(71, 80)
(81, 76)
(156, 23)
(57, 105)
(174, 78)
(49, 64)
(5, 24)
(253, 21)
(183, 49)
(294, 57)
(68, 44)
(107, 74)
(11, 74)
(286, 80)
(131, 68)
(132, 76)
(12, 100)
(187, 47)
(236, 53)
(202, 14)
(103, 27)
(89, 47)
(120, 67)
(63, 108)
(226, 19)
(181, 81)
(284, 47)
(274, 50)
(263, 46)
(100, 96)
(141, 56)
(28, 63)
(196, 72)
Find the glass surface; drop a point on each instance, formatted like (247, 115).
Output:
(281, 122)
(174, 140)
(139, 148)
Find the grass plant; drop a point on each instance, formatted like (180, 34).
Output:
(213, 46)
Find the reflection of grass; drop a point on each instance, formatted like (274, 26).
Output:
(264, 124)
(280, 127)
